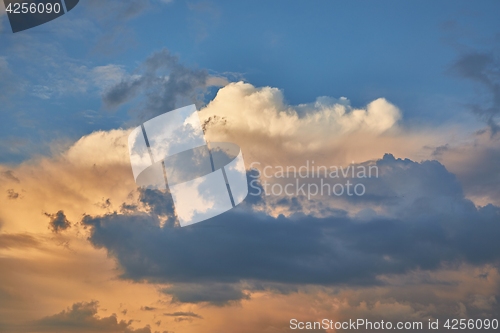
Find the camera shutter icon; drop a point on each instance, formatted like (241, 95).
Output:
(204, 179)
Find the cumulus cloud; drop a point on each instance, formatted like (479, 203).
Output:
(433, 225)
(327, 131)
(78, 179)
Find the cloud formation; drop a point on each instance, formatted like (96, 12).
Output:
(483, 68)
(414, 230)
(81, 317)
(163, 82)
(58, 222)
(328, 131)
(475, 163)
(432, 225)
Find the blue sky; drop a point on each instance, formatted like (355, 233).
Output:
(361, 50)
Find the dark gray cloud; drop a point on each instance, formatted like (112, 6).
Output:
(431, 224)
(162, 82)
(12, 195)
(58, 222)
(483, 68)
(183, 314)
(81, 317)
(147, 308)
(219, 294)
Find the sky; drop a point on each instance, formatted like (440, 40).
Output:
(410, 89)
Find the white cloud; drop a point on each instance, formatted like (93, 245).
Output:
(108, 75)
(327, 131)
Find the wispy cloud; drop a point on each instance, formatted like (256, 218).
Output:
(483, 68)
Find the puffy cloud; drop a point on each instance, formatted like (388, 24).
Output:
(431, 224)
(327, 131)
(78, 179)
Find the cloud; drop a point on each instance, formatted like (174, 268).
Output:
(483, 68)
(147, 308)
(10, 176)
(78, 179)
(58, 222)
(219, 294)
(8, 241)
(475, 163)
(414, 246)
(12, 195)
(66, 76)
(164, 82)
(82, 317)
(183, 314)
(106, 76)
(327, 131)
(432, 224)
